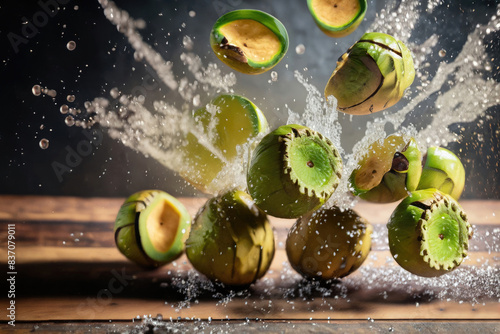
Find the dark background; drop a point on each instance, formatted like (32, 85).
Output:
(103, 59)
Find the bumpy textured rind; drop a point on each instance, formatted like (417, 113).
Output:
(131, 232)
(429, 233)
(293, 171)
(374, 55)
(328, 243)
(231, 240)
(249, 67)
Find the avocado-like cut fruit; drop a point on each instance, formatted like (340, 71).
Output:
(249, 41)
(337, 18)
(388, 170)
(429, 233)
(151, 228)
(372, 75)
(444, 171)
(328, 243)
(231, 240)
(227, 122)
(293, 171)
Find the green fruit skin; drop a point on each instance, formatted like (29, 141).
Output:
(328, 243)
(231, 240)
(398, 73)
(200, 165)
(131, 237)
(343, 31)
(250, 67)
(395, 185)
(272, 190)
(444, 171)
(404, 242)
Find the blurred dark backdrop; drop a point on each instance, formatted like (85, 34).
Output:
(103, 59)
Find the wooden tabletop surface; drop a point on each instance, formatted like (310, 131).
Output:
(67, 270)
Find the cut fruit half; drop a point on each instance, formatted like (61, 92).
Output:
(388, 171)
(337, 18)
(151, 227)
(429, 233)
(226, 123)
(293, 170)
(249, 41)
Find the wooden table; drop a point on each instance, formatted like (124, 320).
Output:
(70, 277)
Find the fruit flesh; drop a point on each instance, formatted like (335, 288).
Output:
(388, 170)
(249, 41)
(337, 18)
(336, 13)
(151, 228)
(257, 42)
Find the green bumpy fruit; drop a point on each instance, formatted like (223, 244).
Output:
(249, 41)
(372, 75)
(328, 243)
(227, 122)
(151, 227)
(444, 171)
(429, 233)
(293, 171)
(231, 240)
(337, 18)
(388, 170)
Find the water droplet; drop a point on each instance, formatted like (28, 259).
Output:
(187, 42)
(274, 76)
(51, 93)
(192, 13)
(71, 45)
(69, 120)
(36, 90)
(64, 109)
(44, 144)
(442, 53)
(114, 92)
(76, 7)
(300, 49)
(42, 126)
(70, 98)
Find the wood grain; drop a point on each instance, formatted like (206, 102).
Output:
(69, 270)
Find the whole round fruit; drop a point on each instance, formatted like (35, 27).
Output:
(329, 243)
(444, 171)
(151, 227)
(372, 75)
(231, 240)
(429, 233)
(219, 128)
(293, 171)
